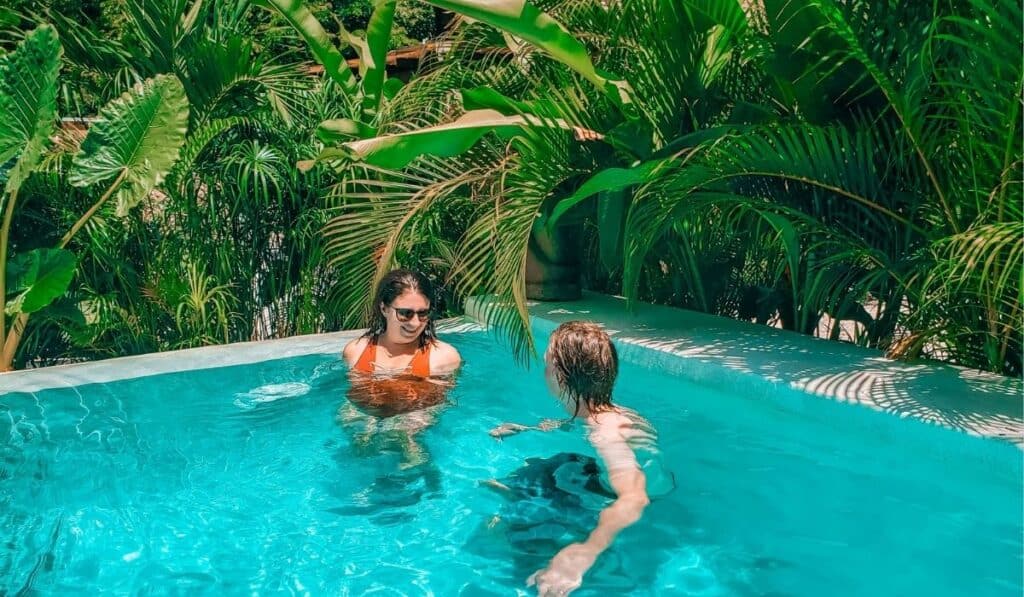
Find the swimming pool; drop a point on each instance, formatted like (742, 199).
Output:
(242, 479)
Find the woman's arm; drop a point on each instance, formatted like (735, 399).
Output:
(353, 349)
(627, 508)
(565, 571)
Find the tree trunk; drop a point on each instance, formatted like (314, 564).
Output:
(553, 264)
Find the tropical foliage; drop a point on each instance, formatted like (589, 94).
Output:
(841, 168)
(129, 150)
(777, 163)
(207, 234)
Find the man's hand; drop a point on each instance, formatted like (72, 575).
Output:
(507, 429)
(565, 571)
(550, 424)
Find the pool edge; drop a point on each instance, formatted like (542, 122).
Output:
(732, 354)
(189, 359)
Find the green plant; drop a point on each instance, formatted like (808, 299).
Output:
(233, 201)
(203, 306)
(518, 163)
(131, 147)
(28, 83)
(853, 152)
(367, 167)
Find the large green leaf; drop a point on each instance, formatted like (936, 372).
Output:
(483, 97)
(527, 22)
(378, 37)
(446, 140)
(612, 209)
(28, 102)
(343, 129)
(607, 180)
(326, 53)
(37, 278)
(138, 136)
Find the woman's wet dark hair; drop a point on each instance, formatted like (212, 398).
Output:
(393, 285)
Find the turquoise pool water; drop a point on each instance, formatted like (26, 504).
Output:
(245, 479)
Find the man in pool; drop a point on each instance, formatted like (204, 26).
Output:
(581, 366)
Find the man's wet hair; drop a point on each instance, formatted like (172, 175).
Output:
(585, 364)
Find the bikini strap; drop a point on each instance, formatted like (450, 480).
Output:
(420, 365)
(366, 359)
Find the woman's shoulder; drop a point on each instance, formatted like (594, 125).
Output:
(445, 350)
(609, 423)
(354, 348)
(444, 358)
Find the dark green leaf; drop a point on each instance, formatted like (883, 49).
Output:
(37, 278)
(611, 179)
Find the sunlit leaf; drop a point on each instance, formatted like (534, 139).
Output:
(138, 137)
(28, 102)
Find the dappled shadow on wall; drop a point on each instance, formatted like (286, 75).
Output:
(972, 401)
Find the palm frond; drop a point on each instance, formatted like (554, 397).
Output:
(492, 256)
(803, 160)
(853, 24)
(217, 71)
(160, 27)
(978, 102)
(200, 138)
(373, 209)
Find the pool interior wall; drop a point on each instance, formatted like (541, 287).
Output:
(756, 361)
(766, 363)
(834, 439)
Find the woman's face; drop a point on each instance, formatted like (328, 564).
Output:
(406, 317)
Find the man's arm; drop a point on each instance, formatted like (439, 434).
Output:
(565, 571)
(506, 429)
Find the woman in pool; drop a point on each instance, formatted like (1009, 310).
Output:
(401, 339)
(398, 366)
(581, 365)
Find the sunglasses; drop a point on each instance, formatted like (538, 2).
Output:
(405, 315)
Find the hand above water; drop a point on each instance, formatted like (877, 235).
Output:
(565, 571)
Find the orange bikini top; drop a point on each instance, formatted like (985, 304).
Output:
(419, 366)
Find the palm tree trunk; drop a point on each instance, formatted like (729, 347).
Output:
(553, 263)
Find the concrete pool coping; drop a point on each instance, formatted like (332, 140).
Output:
(204, 357)
(725, 352)
(717, 351)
